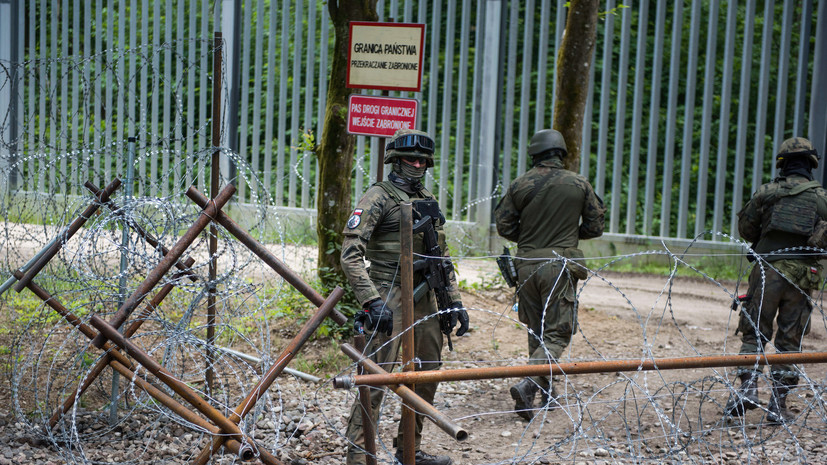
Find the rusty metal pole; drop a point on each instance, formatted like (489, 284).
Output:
(213, 234)
(425, 408)
(407, 330)
(578, 368)
(101, 364)
(281, 362)
(55, 246)
(368, 431)
(261, 251)
(182, 389)
(209, 212)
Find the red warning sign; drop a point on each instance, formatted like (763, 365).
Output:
(380, 116)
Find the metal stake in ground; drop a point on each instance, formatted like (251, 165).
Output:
(406, 272)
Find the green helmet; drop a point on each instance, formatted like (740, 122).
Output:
(545, 140)
(410, 143)
(796, 147)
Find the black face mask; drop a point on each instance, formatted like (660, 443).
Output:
(798, 165)
(407, 185)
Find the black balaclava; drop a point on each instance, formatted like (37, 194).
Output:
(798, 165)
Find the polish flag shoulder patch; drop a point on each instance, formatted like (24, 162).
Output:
(355, 219)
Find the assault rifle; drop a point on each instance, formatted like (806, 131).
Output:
(435, 268)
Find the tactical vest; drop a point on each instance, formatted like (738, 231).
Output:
(789, 219)
(384, 247)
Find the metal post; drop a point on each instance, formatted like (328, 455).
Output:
(406, 273)
(214, 181)
(368, 429)
(130, 176)
(579, 368)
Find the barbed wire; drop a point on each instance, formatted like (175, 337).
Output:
(617, 417)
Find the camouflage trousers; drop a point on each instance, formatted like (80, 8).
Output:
(427, 348)
(546, 306)
(772, 298)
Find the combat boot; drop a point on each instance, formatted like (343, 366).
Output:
(523, 394)
(746, 398)
(422, 458)
(777, 412)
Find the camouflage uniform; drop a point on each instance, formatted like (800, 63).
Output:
(554, 199)
(372, 233)
(781, 283)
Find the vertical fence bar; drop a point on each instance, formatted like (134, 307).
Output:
(605, 102)
(77, 123)
(802, 73)
(723, 128)
(763, 97)
(153, 136)
(262, 172)
(295, 111)
(204, 115)
(542, 65)
(473, 154)
(637, 112)
(781, 78)
(215, 171)
(168, 96)
(243, 103)
(462, 97)
(525, 85)
(129, 181)
(689, 119)
(510, 85)
(706, 118)
(671, 114)
(654, 120)
(620, 119)
(448, 85)
(282, 116)
(743, 117)
(433, 95)
(309, 74)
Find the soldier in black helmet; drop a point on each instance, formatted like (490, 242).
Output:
(546, 211)
(785, 221)
(372, 233)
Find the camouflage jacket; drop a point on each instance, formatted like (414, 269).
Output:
(375, 220)
(543, 208)
(779, 215)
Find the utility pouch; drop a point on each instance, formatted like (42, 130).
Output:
(792, 214)
(576, 266)
(818, 238)
(507, 268)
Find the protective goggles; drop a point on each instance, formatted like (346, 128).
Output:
(411, 142)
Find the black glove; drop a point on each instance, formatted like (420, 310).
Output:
(449, 320)
(376, 316)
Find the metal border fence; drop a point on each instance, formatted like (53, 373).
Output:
(689, 99)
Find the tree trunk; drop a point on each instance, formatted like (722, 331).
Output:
(574, 63)
(335, 150)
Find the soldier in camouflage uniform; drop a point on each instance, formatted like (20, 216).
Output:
(782, 219)
(542, 213)
(372, 233)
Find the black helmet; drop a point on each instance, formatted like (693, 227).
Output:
(545, 140)
(796, 147)
(410, 143)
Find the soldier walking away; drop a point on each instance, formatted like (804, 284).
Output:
(542, 213)
(372, 233)
(785, 221)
